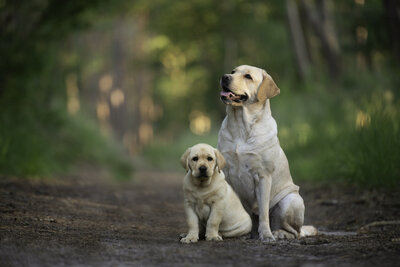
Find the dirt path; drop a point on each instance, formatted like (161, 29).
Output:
(81, 221)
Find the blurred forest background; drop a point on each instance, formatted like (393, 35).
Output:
(130, 84)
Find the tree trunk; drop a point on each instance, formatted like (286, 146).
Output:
(392, 12)
(297, 36)
(321, 22)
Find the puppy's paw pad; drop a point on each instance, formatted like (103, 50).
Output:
(214, 238)
(189, 239)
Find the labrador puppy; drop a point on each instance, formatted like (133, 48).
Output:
(257, 167)
(211, 206)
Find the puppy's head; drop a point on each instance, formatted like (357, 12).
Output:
(202, 161)
(247, 85)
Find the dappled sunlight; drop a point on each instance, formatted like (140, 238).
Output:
(200, 123)
(304, 132)
(105, 83)
(73, 103)
(296, 135)
(117, 98)
(174, 62)
(103, 110)
(149, 110)
(362, 119)
(360, 2)
(156, 43)
(145, 133)
(361, 34)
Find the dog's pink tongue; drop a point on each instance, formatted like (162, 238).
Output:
(226, 94)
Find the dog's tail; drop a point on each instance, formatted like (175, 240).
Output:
(308, 230)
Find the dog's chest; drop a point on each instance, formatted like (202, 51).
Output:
(202, 210)
(239, 173)
(200, 203)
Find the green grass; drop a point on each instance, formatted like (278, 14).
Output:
(369, 152)
(337, 138)
(35, 143)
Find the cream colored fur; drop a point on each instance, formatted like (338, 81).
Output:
(257, 167)
(211, 206)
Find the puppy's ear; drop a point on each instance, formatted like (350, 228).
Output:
(185, 159)
(220, 160)
(267, 88)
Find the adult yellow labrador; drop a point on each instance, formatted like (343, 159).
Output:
(257, 167)
(211, 206)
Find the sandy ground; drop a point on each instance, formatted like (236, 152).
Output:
(88, 220)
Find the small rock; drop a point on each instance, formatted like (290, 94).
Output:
(396, 240)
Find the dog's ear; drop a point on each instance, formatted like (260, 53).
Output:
(267, 88)
(185, 159)
(220, 160)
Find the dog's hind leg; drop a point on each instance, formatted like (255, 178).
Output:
(287, 217)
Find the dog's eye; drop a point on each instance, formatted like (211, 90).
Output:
(233, 72)
(248, 76)
(209, 158)
(195, 158)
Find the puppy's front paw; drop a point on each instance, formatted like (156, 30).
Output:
(214, 238)
(189, 239)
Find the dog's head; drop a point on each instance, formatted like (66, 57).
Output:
(203, 161)
(247, 85)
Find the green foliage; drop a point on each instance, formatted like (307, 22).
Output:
(192, 43)
(37, 137)
(369, 152)
(32, 146)
(340, 135)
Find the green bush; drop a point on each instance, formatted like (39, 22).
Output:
(54, 143)
(368, 152)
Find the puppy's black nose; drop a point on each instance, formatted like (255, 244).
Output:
(202, 169)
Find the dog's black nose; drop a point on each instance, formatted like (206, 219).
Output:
(202, 169)
(226, 78)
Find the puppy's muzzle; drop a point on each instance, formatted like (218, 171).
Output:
(203, 171)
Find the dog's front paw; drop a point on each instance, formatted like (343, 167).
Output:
(183, 235)
(214, 238)
(266, 236)
(189, 239)
(282, 234)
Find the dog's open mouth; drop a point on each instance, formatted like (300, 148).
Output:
(227, 96)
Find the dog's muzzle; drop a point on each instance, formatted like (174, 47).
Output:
(226, 95)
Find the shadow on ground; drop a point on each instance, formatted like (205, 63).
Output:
(91, 221)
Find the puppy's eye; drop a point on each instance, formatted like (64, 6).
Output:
(195, 158)
(248, 76)
(209, 158)
(233, 72)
